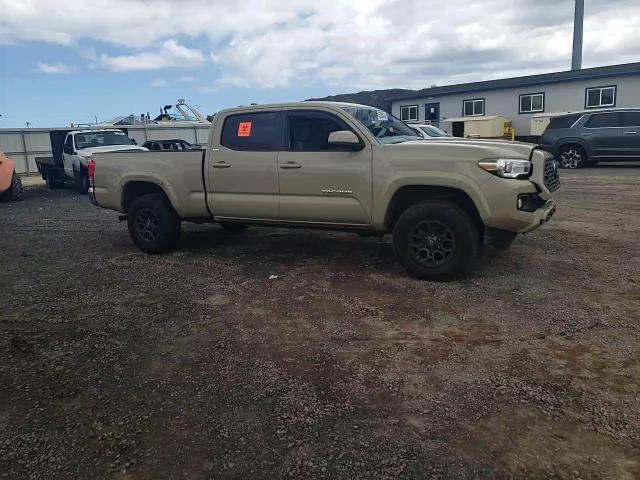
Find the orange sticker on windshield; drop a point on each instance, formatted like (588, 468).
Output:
(244, 129)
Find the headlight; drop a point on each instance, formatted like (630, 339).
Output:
(507, 167)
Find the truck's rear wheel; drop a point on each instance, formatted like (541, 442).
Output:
(52, 180)
(153, 224)
(435, 240)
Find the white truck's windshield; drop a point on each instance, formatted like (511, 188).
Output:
(101, 139)
(386, 128)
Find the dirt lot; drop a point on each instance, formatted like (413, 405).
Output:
(196, 365)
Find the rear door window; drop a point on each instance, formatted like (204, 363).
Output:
(563, 122)
(260, 131)
(604, 120)
(630, 119)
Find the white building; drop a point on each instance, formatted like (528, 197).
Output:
(519, 98)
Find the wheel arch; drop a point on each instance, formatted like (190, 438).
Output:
(410, 195)
(136, 188)
(565, 142)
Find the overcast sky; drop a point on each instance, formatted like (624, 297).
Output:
(68, 61)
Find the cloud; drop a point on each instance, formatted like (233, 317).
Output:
(55, 68)
(159, 83)
(170, 54)
(162, 82)
(344, 44)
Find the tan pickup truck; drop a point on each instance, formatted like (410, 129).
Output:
(335, 166)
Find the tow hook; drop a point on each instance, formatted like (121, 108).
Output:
(123, 218)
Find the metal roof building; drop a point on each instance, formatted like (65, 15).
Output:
(520, 98)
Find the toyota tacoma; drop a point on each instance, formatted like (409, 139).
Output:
(335, 166)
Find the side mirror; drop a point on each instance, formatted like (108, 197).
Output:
(345, 138)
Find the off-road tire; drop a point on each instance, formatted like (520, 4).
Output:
(454, 231)
(233, 227)
(15, 192)
(572, 157)
(82, 181)
(154, 225)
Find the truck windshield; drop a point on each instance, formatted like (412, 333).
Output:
(101, 139)
(386, 128)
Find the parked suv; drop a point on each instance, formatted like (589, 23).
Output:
(585, 138)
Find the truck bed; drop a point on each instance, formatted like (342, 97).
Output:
(179, 174)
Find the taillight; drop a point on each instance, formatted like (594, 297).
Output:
(91, 170)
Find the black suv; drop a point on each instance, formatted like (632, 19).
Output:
(581, 139)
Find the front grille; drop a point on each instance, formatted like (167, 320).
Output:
(551, 175)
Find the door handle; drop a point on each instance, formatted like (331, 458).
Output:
(629, 133)
(290, 165)
(221, 165)
(586, 134)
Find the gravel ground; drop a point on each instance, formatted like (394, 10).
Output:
(200, 364)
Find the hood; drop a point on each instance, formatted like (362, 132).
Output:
(486, 148)
(87, 152)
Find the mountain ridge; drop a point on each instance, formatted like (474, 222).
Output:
(373, 98)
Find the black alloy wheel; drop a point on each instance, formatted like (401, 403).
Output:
(147, 224)
(432, 243)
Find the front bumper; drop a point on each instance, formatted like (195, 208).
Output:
(502, 197)
(542, 215)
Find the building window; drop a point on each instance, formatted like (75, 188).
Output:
(409, 113)
(600, 97)
(532, 103)
(473, 107)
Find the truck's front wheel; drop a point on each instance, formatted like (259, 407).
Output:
(153, 224)
(435, 240)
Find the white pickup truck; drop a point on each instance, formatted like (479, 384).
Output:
(69, 161)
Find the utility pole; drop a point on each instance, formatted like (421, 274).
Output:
(578, 20)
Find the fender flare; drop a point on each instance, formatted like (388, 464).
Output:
(151, 181)
(574, 141)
